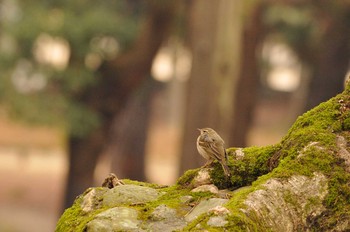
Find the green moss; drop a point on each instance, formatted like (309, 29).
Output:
(314, 159)
(308, 147)
(171, 197)
(145, 184)
(198, 224)
(290, 198)
(346, 123)
(311, 202)
(319, 118)
(238, 221)
(187, 178)
(74, 219)
(339, 190)
(238, 198)
(315, 125)
(319, 125)
(244, 170)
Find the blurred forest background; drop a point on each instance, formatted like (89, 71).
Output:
(91, 87)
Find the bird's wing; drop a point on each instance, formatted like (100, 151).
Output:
(216, 151)
(211, 146)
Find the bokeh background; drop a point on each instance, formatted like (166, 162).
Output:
(92, 87)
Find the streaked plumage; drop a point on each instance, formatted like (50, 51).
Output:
(211, 146)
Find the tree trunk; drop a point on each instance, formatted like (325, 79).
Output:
(245, 97)
(214, 40)
(82, 163)
(128, 143)
(203, 21)
(331, 61)
(118, 79)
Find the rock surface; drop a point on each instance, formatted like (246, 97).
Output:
(288, 204)
(129, 194)
(114, 219)
(205, 206)
(164, 219)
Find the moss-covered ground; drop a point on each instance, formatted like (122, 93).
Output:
(308, 147)
(74, 219)
(320, 126)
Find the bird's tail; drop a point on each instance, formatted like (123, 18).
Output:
(226, 169)
(224, 165)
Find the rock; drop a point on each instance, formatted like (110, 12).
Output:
(219, 210)
(217, 221)
(114, 219)
(343, 152)
(186, 199)
(311, 145)
(206, 188)
(299, 184)
(224, 193)
(167, 225)
(239, 154)
(91, 199)
(283, 204)
(202, 178)
(129, 194)
(163, 212)
(205, 206)
(165, 219)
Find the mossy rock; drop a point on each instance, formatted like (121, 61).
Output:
(299, 184)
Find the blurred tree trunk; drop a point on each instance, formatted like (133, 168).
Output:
(215, 39)
(130, 133)
(245, 97)
(330, 63)
(119, 78)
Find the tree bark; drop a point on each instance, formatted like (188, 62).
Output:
(118, 78)
(331, 62)
(214, 40)
(128, 143)
(202, 22)
(82, 161)
(247, 86)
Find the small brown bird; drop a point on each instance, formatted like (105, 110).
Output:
(211, 146)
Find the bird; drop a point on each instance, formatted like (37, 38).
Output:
(211, 146)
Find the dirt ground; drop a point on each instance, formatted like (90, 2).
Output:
(33, 167)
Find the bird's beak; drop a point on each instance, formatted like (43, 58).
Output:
(200, 130)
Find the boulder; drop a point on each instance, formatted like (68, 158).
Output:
(299, 184)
